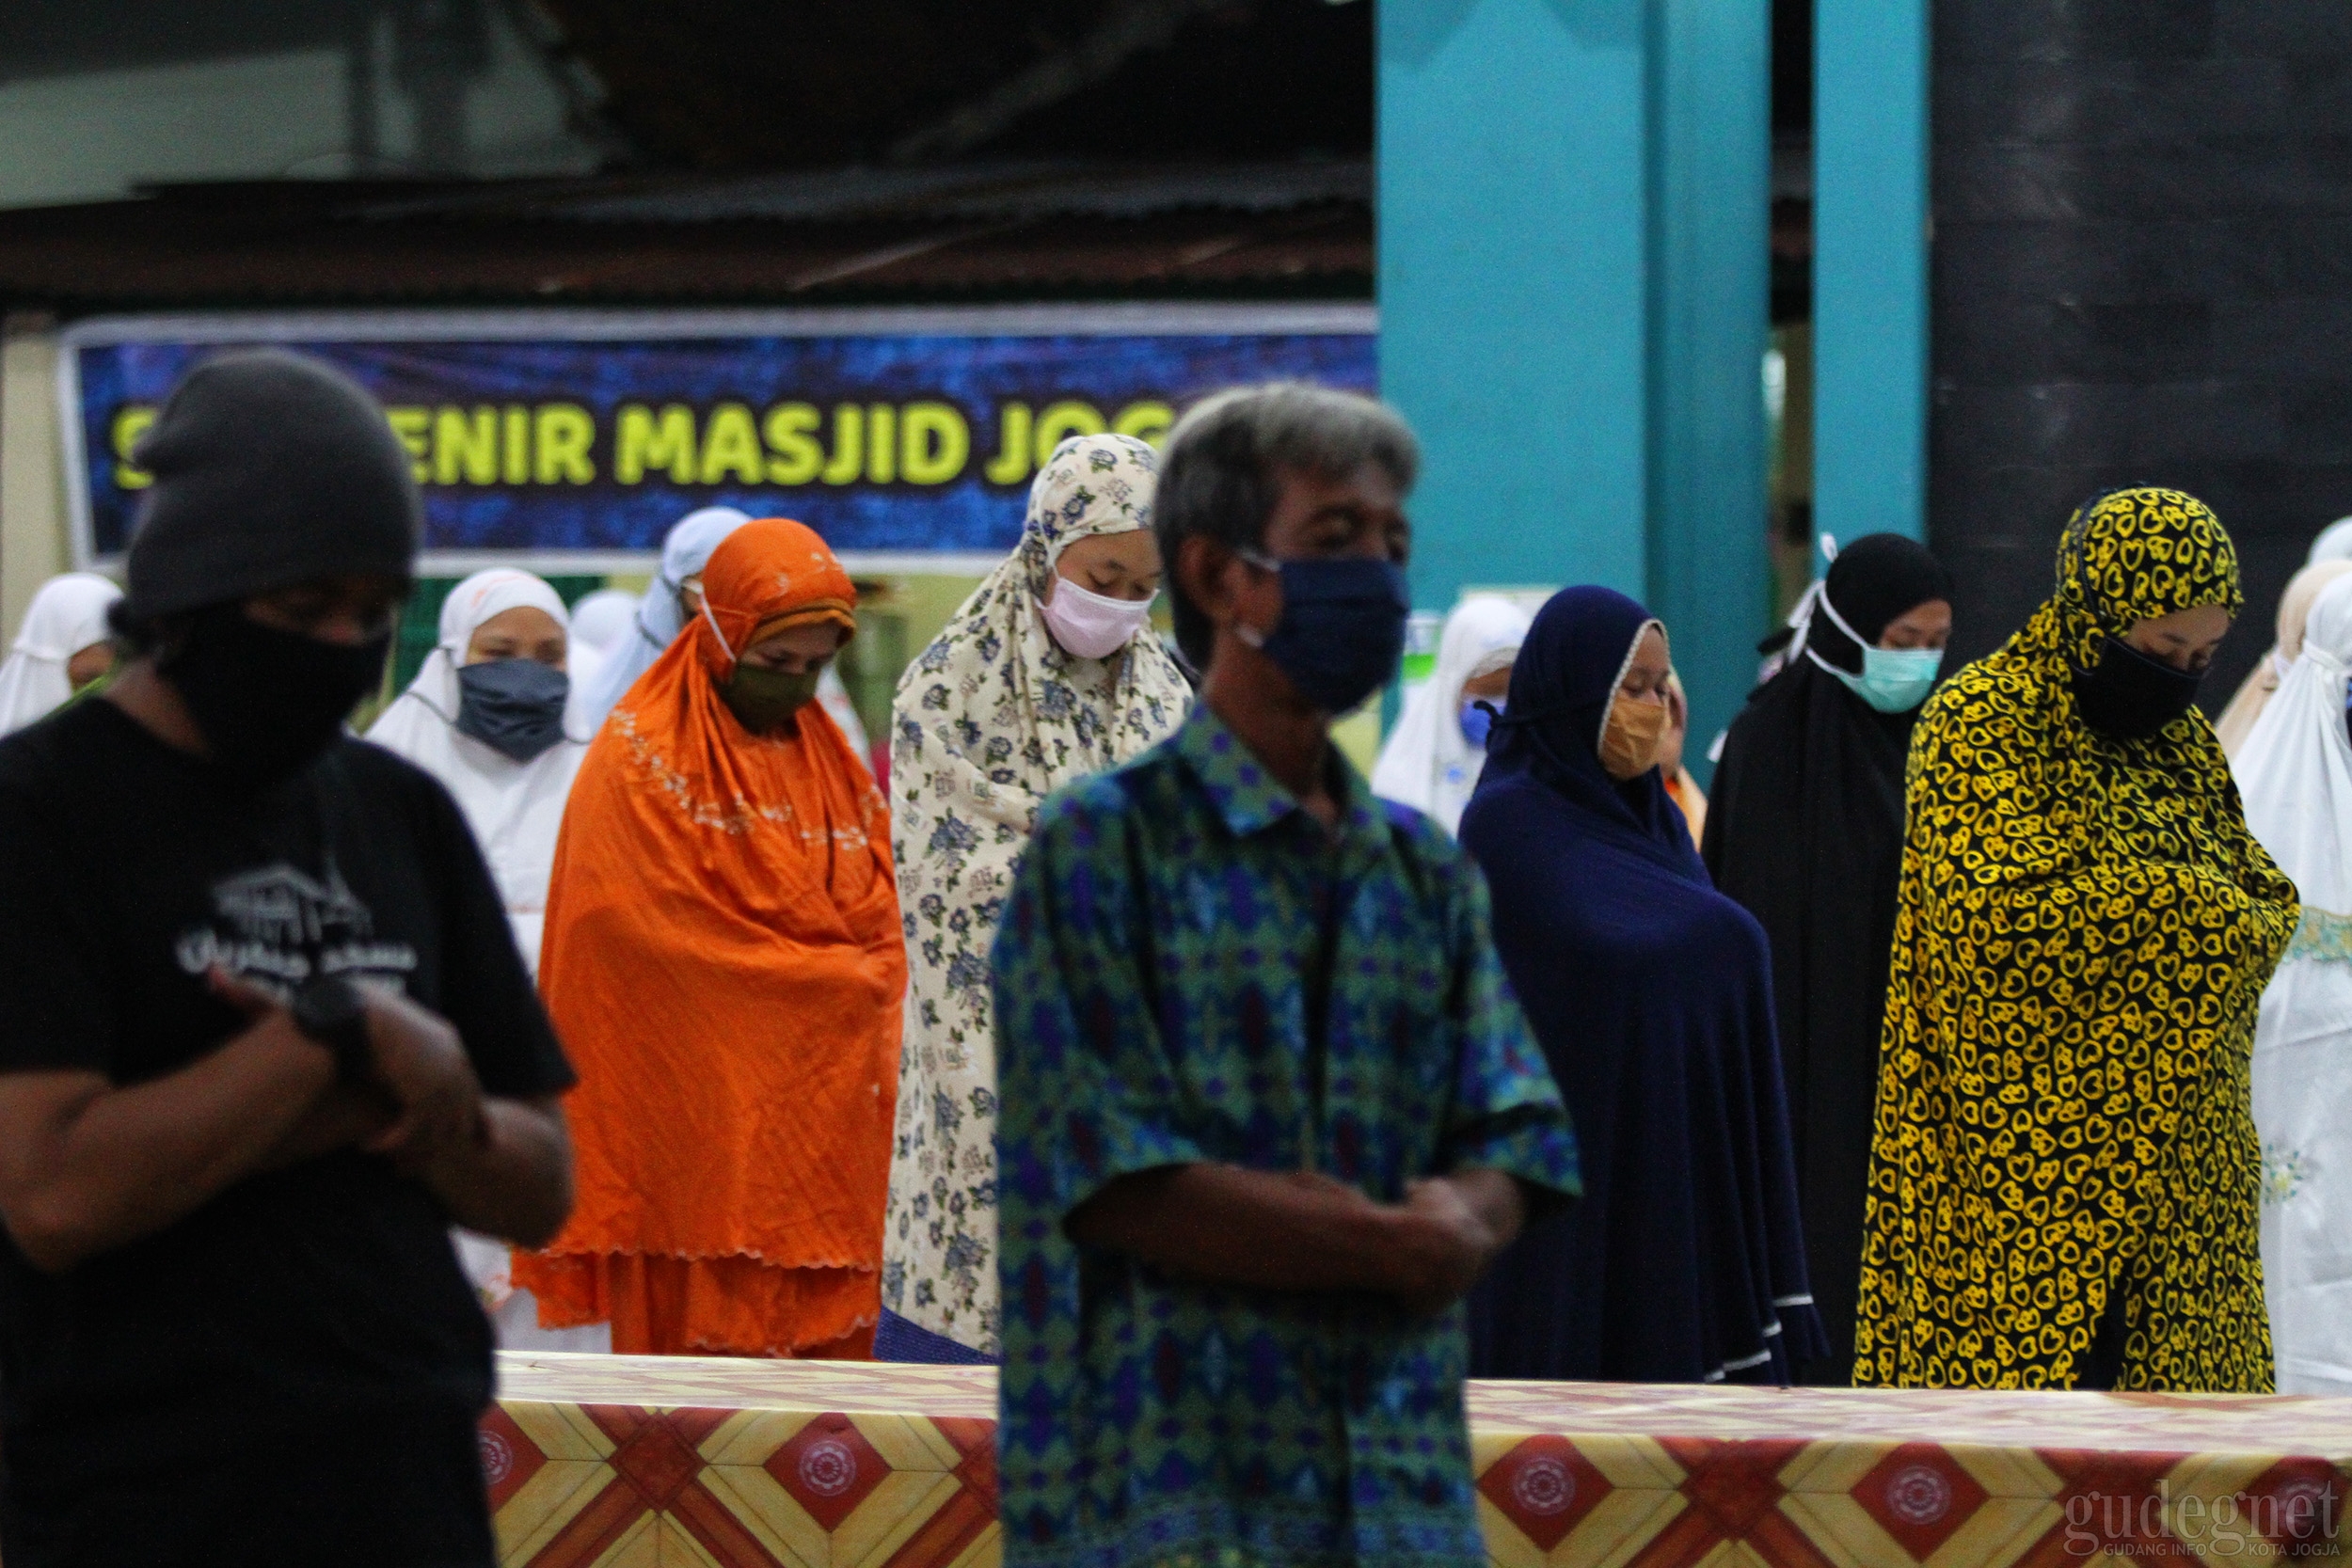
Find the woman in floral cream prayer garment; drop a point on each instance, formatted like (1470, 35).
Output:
(996, 715)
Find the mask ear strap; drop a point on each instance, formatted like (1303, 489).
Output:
(416, 688)
(1821, 601)
(1800, 621)
(1836, 619)
(453, 653)
(732, 656)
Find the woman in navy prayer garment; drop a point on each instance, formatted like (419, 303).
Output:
(1651, 995)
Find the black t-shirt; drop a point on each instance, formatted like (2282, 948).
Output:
(296, 1301)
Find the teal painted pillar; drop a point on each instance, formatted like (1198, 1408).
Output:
(1574, 287)
(1870, 267)
(1710, 569)
(1512, 261)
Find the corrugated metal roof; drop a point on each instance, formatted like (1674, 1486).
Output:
(992, 231)
(986, 193)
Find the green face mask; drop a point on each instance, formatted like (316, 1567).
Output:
(763, 700)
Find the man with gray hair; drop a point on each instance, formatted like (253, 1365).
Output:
(1266, 1106)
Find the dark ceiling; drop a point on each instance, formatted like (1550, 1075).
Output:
(694, 90)
(783, 149)
(975, 231)
(756, 84)
(795, 83)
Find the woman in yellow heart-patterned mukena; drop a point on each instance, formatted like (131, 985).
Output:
(2064, 1187)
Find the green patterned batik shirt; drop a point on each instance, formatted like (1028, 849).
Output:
(1192, 968)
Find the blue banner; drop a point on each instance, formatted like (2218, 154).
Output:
(551, 443)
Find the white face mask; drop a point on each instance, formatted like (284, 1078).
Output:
(1091, 626)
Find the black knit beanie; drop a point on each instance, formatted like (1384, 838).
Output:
(270, 469)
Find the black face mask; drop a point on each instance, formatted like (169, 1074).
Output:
(268, 702)
(512, 706)
(763, 701)
(2131, 696)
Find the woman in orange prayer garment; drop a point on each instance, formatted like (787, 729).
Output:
(725, 963)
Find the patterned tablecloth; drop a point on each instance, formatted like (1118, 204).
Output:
(640, 1460)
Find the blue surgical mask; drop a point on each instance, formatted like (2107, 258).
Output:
(1893, 680)
(1478, 719)
(512, 706)
(1343, 626)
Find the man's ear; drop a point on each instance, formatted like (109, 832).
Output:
(1204, 566)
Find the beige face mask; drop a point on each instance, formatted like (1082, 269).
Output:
(1628, 742)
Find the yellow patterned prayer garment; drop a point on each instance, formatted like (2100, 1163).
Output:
(2083, 936)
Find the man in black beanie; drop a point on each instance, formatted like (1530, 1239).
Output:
(263, 1036)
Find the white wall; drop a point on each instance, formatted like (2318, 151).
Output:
(94, 135)
(33, 545)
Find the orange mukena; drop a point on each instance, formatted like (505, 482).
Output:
(725, 963)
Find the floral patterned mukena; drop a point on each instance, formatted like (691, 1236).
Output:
(1157, 979)
(991, 718)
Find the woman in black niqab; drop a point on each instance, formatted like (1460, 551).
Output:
(1805, 830)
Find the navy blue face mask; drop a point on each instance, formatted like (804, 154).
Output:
(512, 706)
(1343, 626)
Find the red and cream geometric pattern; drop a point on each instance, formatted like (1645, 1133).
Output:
(1664, 1477)
(640, 1461)
(630, 1461)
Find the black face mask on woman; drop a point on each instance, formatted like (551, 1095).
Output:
(2129, 696)
(763, 701)
(267, 701)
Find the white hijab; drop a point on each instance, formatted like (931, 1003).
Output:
(599, 622)
(1427, 763)
(2333, 544)
(602, 619)
(2294, 772)
(684, 554)
(66, 615)
(515, 808)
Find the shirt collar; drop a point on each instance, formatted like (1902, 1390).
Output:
(1247, 797)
